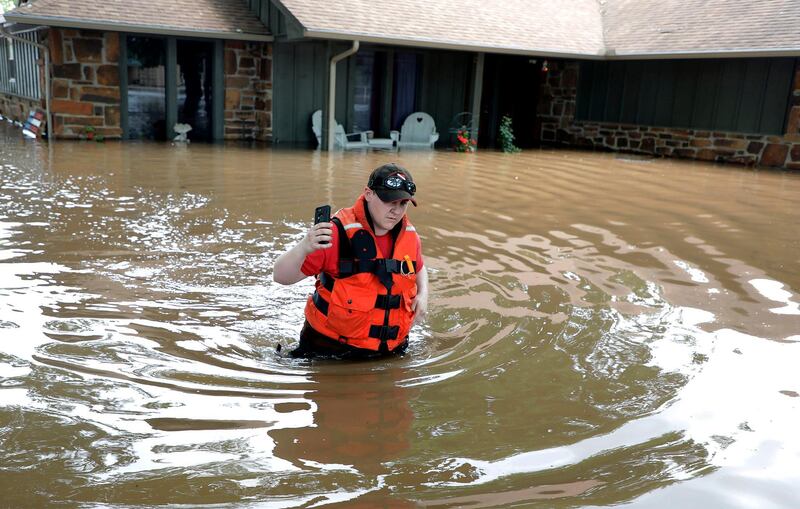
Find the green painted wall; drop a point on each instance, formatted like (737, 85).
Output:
(299, 88)
(738, 95)
(300, 71)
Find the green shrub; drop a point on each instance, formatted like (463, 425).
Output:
(507, 136)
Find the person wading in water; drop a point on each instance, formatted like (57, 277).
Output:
(371, 283)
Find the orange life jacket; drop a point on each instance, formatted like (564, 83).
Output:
(368, 305)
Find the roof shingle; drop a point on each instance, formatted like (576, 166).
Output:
(211, 18)
(577, 28)
(564, 27)
(589, 28)
(650, 27)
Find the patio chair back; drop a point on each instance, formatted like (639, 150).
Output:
(316, 126)
(418, 130)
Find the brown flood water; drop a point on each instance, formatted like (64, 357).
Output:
(602, 331)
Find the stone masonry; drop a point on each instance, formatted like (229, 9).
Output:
(559, 127)
(17, 108)
(85, 81)
(248, 90)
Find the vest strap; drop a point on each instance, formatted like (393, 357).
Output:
(327, 281)
(320, 303)
(387, 302)
(345, 250)
(381, 302)
(383, 333)
(376, 266)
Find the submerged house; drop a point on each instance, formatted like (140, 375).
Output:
(133, 69)
(715, 80)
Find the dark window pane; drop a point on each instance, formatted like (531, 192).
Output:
(146, 98)
(363, 91)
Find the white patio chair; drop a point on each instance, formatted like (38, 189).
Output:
(418, 131)
(389, 143)
(347, 141)
(341, 139)
(316, 126)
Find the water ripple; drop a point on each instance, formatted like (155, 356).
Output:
(600, 332)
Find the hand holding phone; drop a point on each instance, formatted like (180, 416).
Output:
(322, 214)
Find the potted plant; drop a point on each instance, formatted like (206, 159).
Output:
(463, 141)
(89, 131)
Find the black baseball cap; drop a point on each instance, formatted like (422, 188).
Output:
(379, 176)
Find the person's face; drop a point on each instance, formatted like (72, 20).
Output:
(385, 214)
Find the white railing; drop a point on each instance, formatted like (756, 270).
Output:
(19, 67)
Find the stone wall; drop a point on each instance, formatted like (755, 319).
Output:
(85, 81)
(17, 108)
(248, 90)
(559, 127)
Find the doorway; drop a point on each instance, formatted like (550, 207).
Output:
(194, 87)
(171, 81)
(511, 87)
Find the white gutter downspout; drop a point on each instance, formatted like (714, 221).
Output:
(331, 113)
(51, 131)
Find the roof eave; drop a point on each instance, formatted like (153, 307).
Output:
(131, 27)
(429, 43)
(727, 53)
(551, 53)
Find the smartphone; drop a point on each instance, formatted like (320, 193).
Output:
(322, 214)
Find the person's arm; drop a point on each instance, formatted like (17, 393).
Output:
(287, 267)
(420, 304)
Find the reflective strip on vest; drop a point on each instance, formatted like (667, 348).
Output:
(410, 229)
(352, 225)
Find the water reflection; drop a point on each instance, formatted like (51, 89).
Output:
(362, 424)
(601, 332)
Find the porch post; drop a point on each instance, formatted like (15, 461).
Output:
(123, 85)
(477, 91)
(218, 91)
(171, 86)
